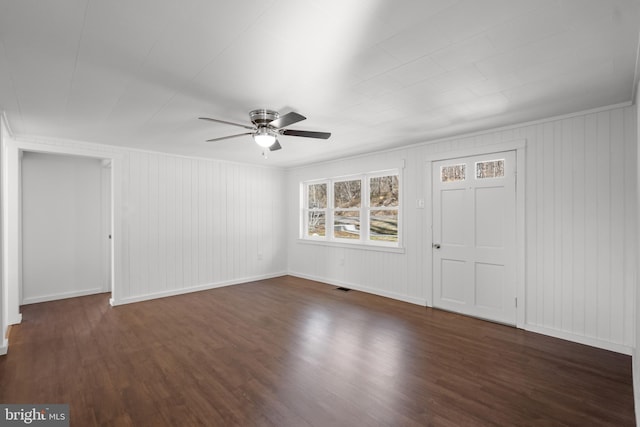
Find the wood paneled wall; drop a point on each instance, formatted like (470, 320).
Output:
(192, 223)
(636, 352)
(580, 226)
(4, 315)
(188, 224)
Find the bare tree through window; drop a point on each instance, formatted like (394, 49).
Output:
(383, 208)
(490, 169)
(453, 173)
(360, 209)
(347, 202)
(317, 205)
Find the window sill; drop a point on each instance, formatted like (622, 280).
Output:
(361, 246)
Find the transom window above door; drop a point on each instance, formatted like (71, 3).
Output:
(483, 170)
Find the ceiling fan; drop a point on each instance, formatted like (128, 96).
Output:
(267, 126)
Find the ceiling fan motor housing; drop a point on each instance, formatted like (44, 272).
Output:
(268, 125)
(263, 117)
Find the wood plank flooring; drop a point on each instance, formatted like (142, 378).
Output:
(291, 352)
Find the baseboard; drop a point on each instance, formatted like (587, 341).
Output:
(54, 297)
(593, 342)
(15, 320)
(4, 347)
(173, 292)
(357, 287)
(635, 369)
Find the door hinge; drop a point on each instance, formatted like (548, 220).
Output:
(516, 302)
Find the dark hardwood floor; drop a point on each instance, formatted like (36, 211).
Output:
(290, 352)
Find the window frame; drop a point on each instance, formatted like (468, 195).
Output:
(369, 208)
(306, 210)
(335, 209)
(364, 210)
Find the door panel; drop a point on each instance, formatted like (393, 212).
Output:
(474, 211)
(454, 219)
(489, 280)
(453, 283)
(489, 221)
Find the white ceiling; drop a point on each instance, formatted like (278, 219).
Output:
(375, 73)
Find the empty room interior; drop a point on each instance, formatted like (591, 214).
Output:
(320, 213)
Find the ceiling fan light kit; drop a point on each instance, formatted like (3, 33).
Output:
(267, 126)
(264, 137)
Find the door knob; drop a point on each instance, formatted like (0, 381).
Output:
(436, 245)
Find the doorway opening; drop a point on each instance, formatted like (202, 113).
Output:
(66, 222)
(17, 268)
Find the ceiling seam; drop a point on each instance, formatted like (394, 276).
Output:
(75, 62)
(636, 74)
(163, 106)
(141, 66)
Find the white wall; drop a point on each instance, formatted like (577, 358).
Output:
(189, 224)
(636, 353)
(4, 321)
(193, 224)
(61, 227)
(580, 198)
(183, 224)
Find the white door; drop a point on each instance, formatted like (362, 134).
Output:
(474, 236)
(106, 232)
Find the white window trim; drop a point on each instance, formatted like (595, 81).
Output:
(360, 210)
(305, 210)
(365, 209)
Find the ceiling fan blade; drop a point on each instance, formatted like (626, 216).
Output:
(275, 146)
(286, 120)
(227, 123)
(228, 137)
(306, 133)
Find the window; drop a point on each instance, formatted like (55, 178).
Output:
(316, 212)
(347, 204)
(490, 169)
(453, 173)
(383, 208)
(362, 209)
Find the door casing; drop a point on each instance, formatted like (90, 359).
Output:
(519, 146)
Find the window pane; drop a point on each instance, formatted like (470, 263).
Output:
(347, 194)
(346, 225)
(490, 169)
(383, 191)
(384, 225)
(317, 196)
(316, 225)
(453, 173)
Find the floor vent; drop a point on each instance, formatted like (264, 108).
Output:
(343, 289)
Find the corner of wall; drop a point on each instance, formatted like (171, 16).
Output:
(636, 384)
(3, 323)
(636, 354)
